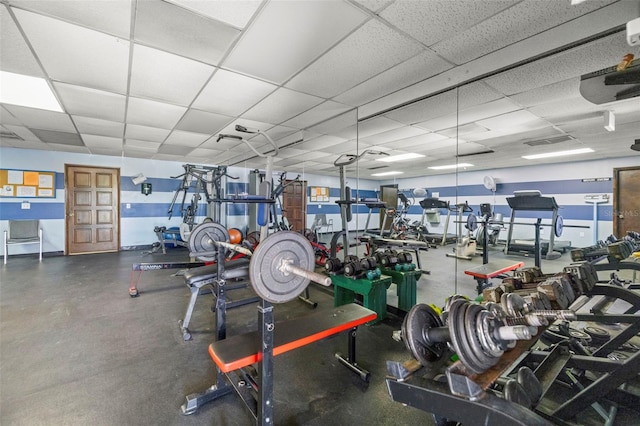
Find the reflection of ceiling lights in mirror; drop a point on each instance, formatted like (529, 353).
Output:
(27, 91)
(386, 173)
(451, 166)
(400, 157)
(558, 153)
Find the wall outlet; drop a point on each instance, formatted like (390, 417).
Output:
(26, 205)
(128, 205)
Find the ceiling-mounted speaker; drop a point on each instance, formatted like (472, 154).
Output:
(636, 145)
(490, 183)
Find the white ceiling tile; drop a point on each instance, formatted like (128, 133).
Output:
(330, 127)
(22, 132)
(7, 118)
(229, 93)
(569, 88)
(432, 21)
(133, 153)
(112, 16)
(435, 106)
(166, 77)
(95, 126)
(141, 145)
(236, 13)
(174, 29)
(476, 93)
(203, 122)
(28, 145)
(63, 138)
(181, 138)
(41, 119)
(287, 153)
(174, 149)
(145, 133)
(77, 55)
(354, 60)
(103, 142)
(15, 55)
(587, 58)
(393, 135)
(523, 20)
(153, 114)
(68, 148)
(306, 28)
(282, 105)
(572, 107)
(443, 145)
(375, 126)
(374, 5)
(424, 65)
(462, 130)
(169, 157)
(313, 155)
(512, 119)
(205, 153)
(315, 115)
(88, 102)
(320, 142)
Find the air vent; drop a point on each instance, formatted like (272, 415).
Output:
(5, 134)
(377, 167)
(550, 141)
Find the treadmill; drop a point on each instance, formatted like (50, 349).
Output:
(533, 201)
(433, 237)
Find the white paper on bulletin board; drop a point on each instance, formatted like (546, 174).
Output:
(6, 191)
(26, 191)
(15, 177)
(45, 192)
(45, 181)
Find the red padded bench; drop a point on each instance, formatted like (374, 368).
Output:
(484, 273)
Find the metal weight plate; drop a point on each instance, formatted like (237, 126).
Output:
(185, 231)
(558, 226)
(472, 222)
(310, 235)
(268, 281)
(253, 238)
(420, 318)
(203, 238)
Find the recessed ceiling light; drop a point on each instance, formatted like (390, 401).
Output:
(558, 153)
(23, 90)
(400, 157)
(387, 173)
(451, 166)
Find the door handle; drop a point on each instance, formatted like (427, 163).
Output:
(70, 214)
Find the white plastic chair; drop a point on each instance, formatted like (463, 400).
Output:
(22, 232)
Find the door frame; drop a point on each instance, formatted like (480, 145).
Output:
(66, 206)
(617, 224)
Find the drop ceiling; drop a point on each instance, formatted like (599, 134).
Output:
(480, 82)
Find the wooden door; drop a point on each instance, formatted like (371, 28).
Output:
(93, 209)
(389, 196)
(294, 204)
(626, 200)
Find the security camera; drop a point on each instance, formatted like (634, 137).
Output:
(633, 32)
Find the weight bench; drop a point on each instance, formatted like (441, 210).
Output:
(197, 278)
(235, 355)
(483, 273)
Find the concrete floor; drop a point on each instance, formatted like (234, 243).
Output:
(76, 349)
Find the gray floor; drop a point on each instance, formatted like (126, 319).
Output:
(76, 349)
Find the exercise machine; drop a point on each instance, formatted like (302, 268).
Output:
(432, 206)
(465, 244)
(534, 201)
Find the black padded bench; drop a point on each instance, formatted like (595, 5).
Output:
(197, 278)
(235, 355)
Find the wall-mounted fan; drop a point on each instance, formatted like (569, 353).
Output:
(420, 192)
(490, 183)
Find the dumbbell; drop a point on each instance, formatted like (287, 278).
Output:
(478, 336)
(370, 266)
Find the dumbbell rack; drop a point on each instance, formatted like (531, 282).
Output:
(373, 292)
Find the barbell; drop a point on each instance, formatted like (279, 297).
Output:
(281, 266)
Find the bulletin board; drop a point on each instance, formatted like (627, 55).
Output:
(319, 194)
(27, 184)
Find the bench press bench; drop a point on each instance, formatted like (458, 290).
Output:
(483, 273)
(234, 354)
(197, 278)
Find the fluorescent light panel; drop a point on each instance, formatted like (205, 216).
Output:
(32, 92)
(558, 153)
(451, 166)
(400, 157)
(387, 173)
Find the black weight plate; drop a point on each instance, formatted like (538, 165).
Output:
(483, 360)
(268, 281)
(457, 325)
(597, 333)
(310, 235)
(420, 318)
(558, 226)
(203, 238)
(253, 238)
